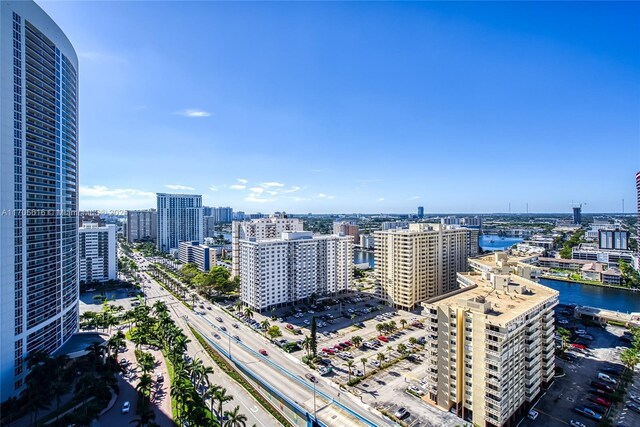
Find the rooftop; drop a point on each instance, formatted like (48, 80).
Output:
(501, 297)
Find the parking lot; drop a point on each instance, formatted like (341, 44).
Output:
(123, 296)
(557, 407)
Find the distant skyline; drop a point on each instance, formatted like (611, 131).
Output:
(358, 107)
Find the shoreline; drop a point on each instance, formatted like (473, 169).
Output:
(600, 285)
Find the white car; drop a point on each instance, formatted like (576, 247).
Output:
(576, 424)
(375, 363)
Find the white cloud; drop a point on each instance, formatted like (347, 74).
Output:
(237, 187)
(292, 189)
(324, 196)
(381, 199)
(213, 188)
(258, 190)
(273, 193)
(192, 112)
(179, 187)
(253, 198)
(242, 181)
(414, 198)
(272, 184)
(120, 193)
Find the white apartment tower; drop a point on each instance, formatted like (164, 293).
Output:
(98, 262)
(420, 262)
(142, 225)
(280, 271)
(179, 219)
(491, 347)
(38, 189)
(262, 228)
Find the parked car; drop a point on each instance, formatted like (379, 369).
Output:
(588, 413)
(325, 370)
(634, 407)
(604, 377)
(383, 338)
(358, 373)
(602, 386)
(401, 413)
(596, 408)
(311, 378)
(533, 414)
(375, 363)
(329, 351)
(415, 390)
(263, 352)
(579, 346)
(126, 407)
(574, 423)
(600, 401)
(598, 392)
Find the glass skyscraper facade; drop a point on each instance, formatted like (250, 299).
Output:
(39, 189)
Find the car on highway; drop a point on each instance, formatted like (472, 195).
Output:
(126, 407)
(216, 336)
(237, 338)
(235, 325)
(401, 413)
(311, 378)
(222, 328)
(219, 319)
(588, 413)
(263, 352)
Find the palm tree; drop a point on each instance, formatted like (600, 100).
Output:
(379, 327)
(209, 395)
(381, 358)
(248, 312)
(221, 397)
(349, 365)
(238, 305)
(402, 348)
(235, 418)
(116, 341)
(265, 325)
(356, 340)
(403, 323)
(393, 326)
(364, 365)
(413, 341)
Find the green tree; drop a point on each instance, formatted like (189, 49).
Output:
(221, 397)
(381, 358)
(403, 323)
(274, 332)
(630, 358)
(313, 342)
(248, 312)
(364, 365)
(356, 340)
(349, 365)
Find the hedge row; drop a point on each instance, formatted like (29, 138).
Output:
(231, 371)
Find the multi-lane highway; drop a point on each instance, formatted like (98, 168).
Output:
(283, 372)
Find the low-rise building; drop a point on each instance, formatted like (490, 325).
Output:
(610, 257)
(201, 255)
(491, 347)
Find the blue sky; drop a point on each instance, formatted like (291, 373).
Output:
(358, 107)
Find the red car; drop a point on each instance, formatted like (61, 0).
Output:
(347, 343)
(417, 325)
(600, 401)
(289, 326)
(263, 352)
(383, 338)
(329, 351)
(340, 346)
(579, 346)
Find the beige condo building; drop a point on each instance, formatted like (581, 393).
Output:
(492, 345)
(420, 262)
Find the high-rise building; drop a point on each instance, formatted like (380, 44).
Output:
(577, 215)
(346, 228)
(492, 347)
(420, 262)
(300, 265)
(209, 226)
(98, 248)
(223, 215)
(201, 255)
(142, 225)
(420, 212)
(39, 186)
(179, 219)
(263, 228)
(613, 239)
(638, 196)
